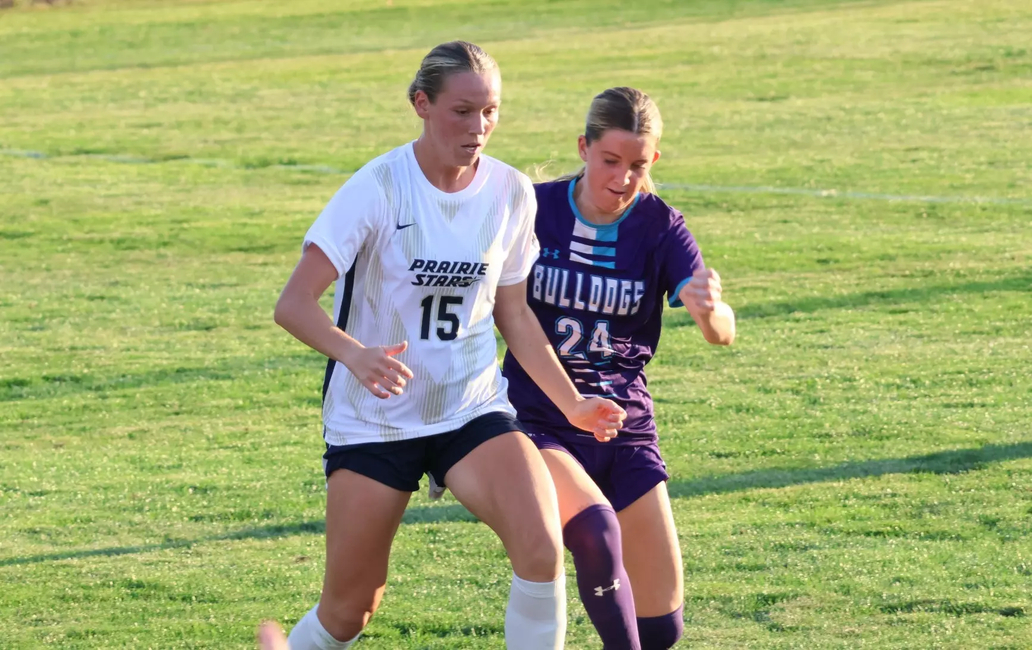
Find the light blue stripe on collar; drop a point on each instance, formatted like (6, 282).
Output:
(603, 233)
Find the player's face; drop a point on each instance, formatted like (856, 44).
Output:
(461, 120)
(616, 166)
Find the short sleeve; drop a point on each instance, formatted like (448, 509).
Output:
(680, 258)
(524, 249)
(353, 216)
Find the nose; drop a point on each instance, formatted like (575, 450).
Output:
(479, 125)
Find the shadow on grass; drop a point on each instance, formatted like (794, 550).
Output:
(420, 515)
(943, 462)
(927, 293)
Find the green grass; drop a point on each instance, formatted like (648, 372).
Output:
(856, 471)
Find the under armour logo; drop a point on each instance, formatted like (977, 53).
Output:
(550, 252)
(599, 591)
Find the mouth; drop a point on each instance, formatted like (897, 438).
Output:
(616, 193)
(472, 148)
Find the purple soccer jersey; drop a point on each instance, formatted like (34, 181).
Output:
(598, 293)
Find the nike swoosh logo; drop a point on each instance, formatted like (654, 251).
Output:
(402, 227)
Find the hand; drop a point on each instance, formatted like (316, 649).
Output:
(599, 416)
(270, 637)
(378, 370)
(703, 292)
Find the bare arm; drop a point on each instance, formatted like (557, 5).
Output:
(530, 346)
(702, 297)
(298, 311)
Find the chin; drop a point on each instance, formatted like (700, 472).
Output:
(463, 159)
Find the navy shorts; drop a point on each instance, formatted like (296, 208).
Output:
(624, 473)
(401, 463)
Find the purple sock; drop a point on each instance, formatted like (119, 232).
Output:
(593, 537)
(661, 632)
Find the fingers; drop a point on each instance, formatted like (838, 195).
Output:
(381, 373)
(610, 418)
(615, 411)
(392, 364)
(392, 382)
(705, 278)
(704, 289)
(398, 368)
(385, 385)
(605, 435)
(373, 387)
(705, 274)
(395, 349)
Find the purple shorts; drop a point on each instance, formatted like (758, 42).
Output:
(624, 473)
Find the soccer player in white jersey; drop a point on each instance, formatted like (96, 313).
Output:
(431, 245)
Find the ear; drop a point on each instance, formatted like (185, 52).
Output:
(422, 104)
(582, 147)
(655, 157)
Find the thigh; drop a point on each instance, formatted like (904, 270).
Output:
(505, 483)
(651, 553)
(356, 555)
(574, 488)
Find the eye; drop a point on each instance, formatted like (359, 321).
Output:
(610, 162)
(462, 111)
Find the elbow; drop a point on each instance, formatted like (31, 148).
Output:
(721, 339)
(721, 330)
(718, 337)
(509, 318)
(281, 314)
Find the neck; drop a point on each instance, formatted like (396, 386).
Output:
(443, 177)
(588, 209)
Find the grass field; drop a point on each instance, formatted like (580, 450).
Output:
(856, 471)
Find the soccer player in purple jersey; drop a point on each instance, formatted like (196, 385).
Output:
(611, 250)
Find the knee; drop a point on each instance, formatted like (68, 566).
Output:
(345, 617)
(538, 555)
(661, 632)
(593, 534)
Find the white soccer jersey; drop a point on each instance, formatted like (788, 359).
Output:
(422, 265)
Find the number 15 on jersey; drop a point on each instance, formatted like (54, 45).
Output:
(447, 322)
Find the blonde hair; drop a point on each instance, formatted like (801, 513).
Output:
(445, 60)
(627, 109)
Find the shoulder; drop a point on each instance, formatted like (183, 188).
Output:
(663, 224)
(508, 182)
(507, 176)
(659, 212)
(379, 173)
(375, 182)
(552, 192)
(549, 188)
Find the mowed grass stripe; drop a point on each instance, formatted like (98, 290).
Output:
(884, 103)
(102, 35)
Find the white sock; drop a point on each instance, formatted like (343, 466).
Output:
(309, 634)
(536, 616)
